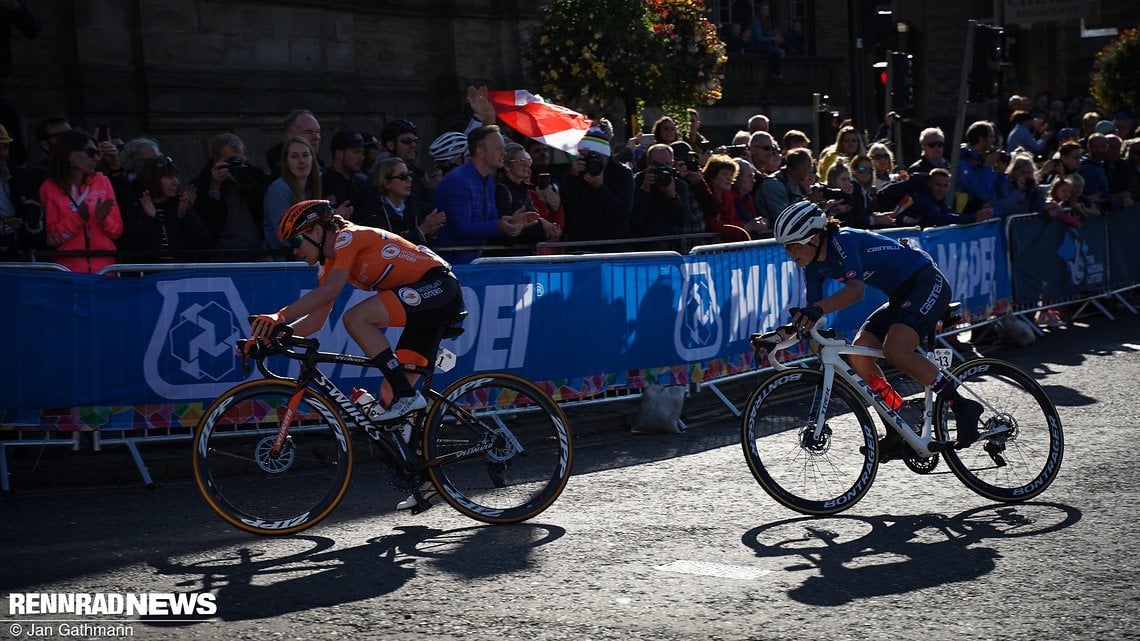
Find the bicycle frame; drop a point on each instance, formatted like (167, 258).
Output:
(830, 355)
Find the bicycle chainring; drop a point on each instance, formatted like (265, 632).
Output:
(920, 465)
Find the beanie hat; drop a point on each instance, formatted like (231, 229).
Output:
(595, 140)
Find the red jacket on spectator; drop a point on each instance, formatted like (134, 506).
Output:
(66, 230)
(728, 222)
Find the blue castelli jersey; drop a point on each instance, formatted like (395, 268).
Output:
(858, 254)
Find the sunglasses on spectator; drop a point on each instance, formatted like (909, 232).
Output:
(526, 162)
(411, 140)
(864, 170)
(880, 157)
(935, 143)
(407, 175)
(163, 163)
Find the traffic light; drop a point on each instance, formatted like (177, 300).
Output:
(985, 72)
(900, 74)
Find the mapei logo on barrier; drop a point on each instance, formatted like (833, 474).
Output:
(191, 352)
(1084, 268)
(697, 332)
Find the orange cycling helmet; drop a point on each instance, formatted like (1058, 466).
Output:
(302, 216)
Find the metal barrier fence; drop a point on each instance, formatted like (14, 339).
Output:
(1030, 296)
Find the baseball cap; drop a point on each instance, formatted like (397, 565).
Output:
(1105, 127)
(348, 139)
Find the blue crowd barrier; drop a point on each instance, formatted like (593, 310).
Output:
(96, 352)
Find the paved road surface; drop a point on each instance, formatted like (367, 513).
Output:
(655, 537)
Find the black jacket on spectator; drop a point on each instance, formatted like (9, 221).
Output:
(355, 189)
(233, 214)
(148, 238)
(655, 214)
(599, 214)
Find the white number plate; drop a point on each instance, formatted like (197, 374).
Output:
(944, 357)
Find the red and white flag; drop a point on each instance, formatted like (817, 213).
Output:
(539, 120)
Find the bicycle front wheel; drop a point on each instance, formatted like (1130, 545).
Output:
(811, 474)
(251, 487)
(1022, 443)
(498, 448)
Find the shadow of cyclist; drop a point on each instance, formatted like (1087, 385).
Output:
(863, 557)
(254, 583)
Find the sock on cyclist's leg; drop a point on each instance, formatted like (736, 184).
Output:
(393, 372)
(946, 388)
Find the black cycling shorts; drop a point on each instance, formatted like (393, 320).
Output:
(918, 304)
(427, 303)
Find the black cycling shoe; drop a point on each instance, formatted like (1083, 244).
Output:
(890, 447)
(967, 413)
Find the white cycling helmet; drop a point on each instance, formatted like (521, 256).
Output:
(799, 222)
(448, 147)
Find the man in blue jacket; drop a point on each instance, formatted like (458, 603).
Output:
(467, 196)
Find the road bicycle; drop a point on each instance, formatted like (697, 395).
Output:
(812, 445)
(274, 456)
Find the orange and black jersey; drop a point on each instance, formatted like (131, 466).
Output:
(378, 260)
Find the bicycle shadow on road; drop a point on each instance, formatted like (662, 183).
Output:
(857, 557)
(260, 583)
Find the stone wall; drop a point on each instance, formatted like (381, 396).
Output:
(185, 70)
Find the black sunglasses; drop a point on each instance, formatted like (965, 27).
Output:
(163, 163)
(409, 141)
(407, 175)
(936, 143)
(880, 157)
(298, 240)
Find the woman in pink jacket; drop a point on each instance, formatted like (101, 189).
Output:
(80, 211)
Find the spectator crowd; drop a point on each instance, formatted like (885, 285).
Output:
(94, 200)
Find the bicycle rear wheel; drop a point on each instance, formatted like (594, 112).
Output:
(1023, 454)
(499, 449)
(259, 492)
(809, 474)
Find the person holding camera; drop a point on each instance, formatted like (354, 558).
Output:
(21, 217)
(977, 184)
(231, 191)
(660, 200)
(513, 192)
(1019, 188)
(598, 193)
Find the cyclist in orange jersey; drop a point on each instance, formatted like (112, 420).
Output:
(414, 287)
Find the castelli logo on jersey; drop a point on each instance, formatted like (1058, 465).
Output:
(409, 296)
(343, 238)
(390, 251)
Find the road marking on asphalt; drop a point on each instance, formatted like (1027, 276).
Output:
(720, 570)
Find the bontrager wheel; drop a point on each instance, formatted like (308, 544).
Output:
(1024, 455)
(498, 447)
(809, 474)
(250, 487)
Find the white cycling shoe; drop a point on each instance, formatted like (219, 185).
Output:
(428, 492)
(401, 406)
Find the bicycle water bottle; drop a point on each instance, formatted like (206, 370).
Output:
(880, 386)
(361, 397)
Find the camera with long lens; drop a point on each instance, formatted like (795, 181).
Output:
(594, 165)
(662, 176)
(241, 169)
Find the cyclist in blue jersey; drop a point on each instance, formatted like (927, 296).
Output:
(918, 295)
